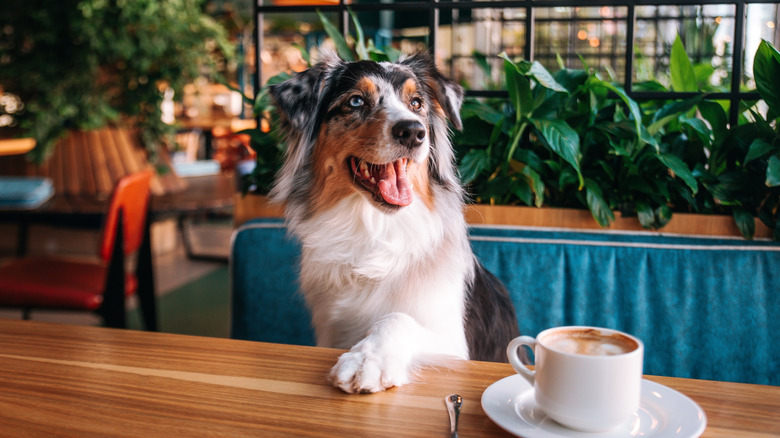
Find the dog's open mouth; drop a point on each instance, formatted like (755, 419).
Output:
(388, 182)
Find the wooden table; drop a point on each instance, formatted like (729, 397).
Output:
(79, 381)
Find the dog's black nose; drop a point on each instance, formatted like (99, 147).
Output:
(409, 133)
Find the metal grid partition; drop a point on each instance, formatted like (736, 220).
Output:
(535, 14)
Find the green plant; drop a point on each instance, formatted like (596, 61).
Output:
(571, 139)
(698, 36)
(84, 63)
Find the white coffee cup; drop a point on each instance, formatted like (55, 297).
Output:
(585, 378)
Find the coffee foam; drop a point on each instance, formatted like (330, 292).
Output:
(590, 342)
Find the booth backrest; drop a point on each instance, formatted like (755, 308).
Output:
(705, 308)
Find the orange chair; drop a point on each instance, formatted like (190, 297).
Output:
(102, 286)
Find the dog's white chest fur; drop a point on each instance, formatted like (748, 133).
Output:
(360, 264)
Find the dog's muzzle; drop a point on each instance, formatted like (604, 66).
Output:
(388, 182)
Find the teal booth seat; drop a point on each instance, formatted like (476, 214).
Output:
(705, 308)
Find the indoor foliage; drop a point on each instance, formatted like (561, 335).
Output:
(571, 139)
(80, 64)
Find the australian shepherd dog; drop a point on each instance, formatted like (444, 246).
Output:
(372, 193)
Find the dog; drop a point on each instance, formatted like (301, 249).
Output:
(372, 193)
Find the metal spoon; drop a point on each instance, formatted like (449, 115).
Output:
(453, 402)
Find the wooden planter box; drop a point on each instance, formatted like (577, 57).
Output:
(255, 206)
(681, 223)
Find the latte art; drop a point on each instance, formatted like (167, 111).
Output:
(589, 342)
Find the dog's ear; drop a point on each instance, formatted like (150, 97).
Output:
(297, 97)
(447, 93)
(299, 100)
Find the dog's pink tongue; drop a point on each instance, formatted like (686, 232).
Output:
(394, 186)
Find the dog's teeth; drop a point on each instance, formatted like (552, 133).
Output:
(364, 170)
(373, 181)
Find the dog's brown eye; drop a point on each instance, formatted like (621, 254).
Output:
(415, 104)
(356, 101)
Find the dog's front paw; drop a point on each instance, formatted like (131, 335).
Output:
(362, 370)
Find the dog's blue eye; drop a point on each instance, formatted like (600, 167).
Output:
(415, 104)
(356, 101)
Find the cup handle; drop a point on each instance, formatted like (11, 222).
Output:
(514, 359)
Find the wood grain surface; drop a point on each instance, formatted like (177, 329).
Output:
(58, 380)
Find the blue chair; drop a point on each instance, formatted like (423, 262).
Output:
(266, 305)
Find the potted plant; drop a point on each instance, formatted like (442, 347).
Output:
(573, 140)
(84, 64)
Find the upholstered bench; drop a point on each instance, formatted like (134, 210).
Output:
(705, 308)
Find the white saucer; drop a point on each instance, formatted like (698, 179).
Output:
(663, 412)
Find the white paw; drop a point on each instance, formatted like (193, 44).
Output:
(363, 370)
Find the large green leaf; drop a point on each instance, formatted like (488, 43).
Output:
(519, 88)
(473, 134)
(522, 191)
(663, 215)
(636, 112)
(304, 53)
(647, 138)
(473, 163)
(544, 78)
(683, 76)
(360, 43)
(698, 128)
(480, 59)
(529, 158)
(562, 139)
(678, 166)
(766, 69)
(342, 48)
(677, 108)
(645, 214)
(495, 134)
(745, 222)
(536, 71)
(773, 172)
(703, 72)
(571, 79)
(597, 204)
(714, 113)
(536, 183)
(758, 148)
(652, 85)
(617, 147)
(381, 55)
(475, 108)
